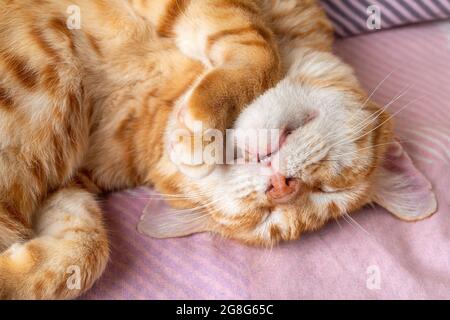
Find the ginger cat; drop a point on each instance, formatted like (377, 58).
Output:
(91, 110)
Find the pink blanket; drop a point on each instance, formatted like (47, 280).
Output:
(376, 256)
(352, 17)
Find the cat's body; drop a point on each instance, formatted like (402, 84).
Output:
(90, 110)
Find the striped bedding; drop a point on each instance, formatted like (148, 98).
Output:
(375, 256)
(350, 16)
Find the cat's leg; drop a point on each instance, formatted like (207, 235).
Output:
(44, 129)
(68, 253)
(41, 237)
(229, 37)
(232, 40)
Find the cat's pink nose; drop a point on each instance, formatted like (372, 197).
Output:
(282, 190)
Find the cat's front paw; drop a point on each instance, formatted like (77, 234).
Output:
(188, 144)
(203, 116)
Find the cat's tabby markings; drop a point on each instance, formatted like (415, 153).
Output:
(91, 110)
(68, 95)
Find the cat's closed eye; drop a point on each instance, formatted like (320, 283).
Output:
(328, 189)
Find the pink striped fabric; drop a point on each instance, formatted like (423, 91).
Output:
(375, 256)
(350, 16)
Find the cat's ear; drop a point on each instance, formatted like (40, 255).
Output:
(161, 221)
(401, 189)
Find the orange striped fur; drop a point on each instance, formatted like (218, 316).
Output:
(86, 111)
(71, 98)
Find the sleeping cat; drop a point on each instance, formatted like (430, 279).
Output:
(92, 108)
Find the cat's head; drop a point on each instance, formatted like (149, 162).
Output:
(334, 154)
